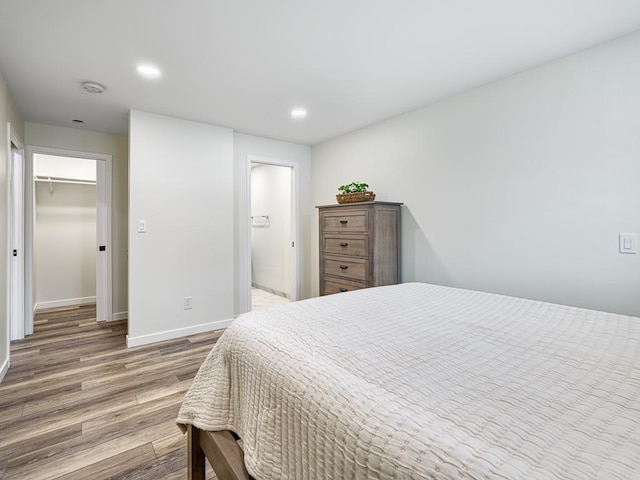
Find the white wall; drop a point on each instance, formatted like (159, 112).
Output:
(181, 183)
(246, 146)
(519, 187)
(271, 239)
(8, 113)
(65, 244)
(115, 145)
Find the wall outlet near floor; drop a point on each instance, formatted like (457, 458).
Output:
(188, 303)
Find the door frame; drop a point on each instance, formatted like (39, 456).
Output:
(15, 238)
(104, 264)
(295, 224)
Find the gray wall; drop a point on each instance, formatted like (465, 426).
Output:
(519, 187)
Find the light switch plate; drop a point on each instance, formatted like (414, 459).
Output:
(628, 243)
(188, 303)
(142, 226)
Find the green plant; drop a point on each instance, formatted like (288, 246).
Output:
(353, 187)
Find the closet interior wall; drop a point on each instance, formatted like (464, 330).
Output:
(64, 231)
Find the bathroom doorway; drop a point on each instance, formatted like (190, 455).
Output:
(272, 234)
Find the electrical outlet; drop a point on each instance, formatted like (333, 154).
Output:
(628, 243)
(188, 303)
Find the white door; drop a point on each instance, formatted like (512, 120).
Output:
(102, 243)
(16, 245)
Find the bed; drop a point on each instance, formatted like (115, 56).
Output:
(418, 381)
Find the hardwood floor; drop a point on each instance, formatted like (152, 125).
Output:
(77, 404)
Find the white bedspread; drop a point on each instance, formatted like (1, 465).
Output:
(420, 381)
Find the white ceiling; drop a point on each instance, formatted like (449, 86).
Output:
(246, 63)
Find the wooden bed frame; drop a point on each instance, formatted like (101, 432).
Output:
(222, 451)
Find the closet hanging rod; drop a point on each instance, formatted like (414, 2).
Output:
(64, 180)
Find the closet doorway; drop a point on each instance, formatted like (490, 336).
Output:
(68, 231)
(273, 232)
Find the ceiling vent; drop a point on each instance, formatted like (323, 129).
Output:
(93, 87)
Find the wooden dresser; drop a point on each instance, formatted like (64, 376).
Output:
(359, 246)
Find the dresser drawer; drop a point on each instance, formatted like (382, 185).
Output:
(352, 268)
(334, 285)
(348, 222)
(351, 245)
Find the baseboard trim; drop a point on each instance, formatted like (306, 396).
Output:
(4, 369)
(177, 333)
(120, 316)
(67, 302)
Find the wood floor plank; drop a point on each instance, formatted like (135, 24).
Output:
(54, 334)
(76, 403)
(169, 444)
(122, 355)
(178, 389)
(182, 474)
(17, 447)
(57, 420)
(113, 466)
(10, 414)
(65, 464)
(79, 374)
(196, 351)
(109, 432)
(16, 398)
(176, 364)
(131, 413)
(155, 468)
(146, 382)
(73, 400)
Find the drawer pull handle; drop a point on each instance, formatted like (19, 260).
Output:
(344, 267)
(342, 289)
(344, 222)
(344, 244)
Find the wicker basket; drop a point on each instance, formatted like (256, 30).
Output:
(356, 197)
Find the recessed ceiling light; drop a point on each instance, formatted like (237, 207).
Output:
(298, 113)
(148, 71)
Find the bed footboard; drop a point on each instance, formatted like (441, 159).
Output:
(222, 451)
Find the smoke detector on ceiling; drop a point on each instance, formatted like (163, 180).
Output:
(93, 87)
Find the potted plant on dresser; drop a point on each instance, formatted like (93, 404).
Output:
(355, 192)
